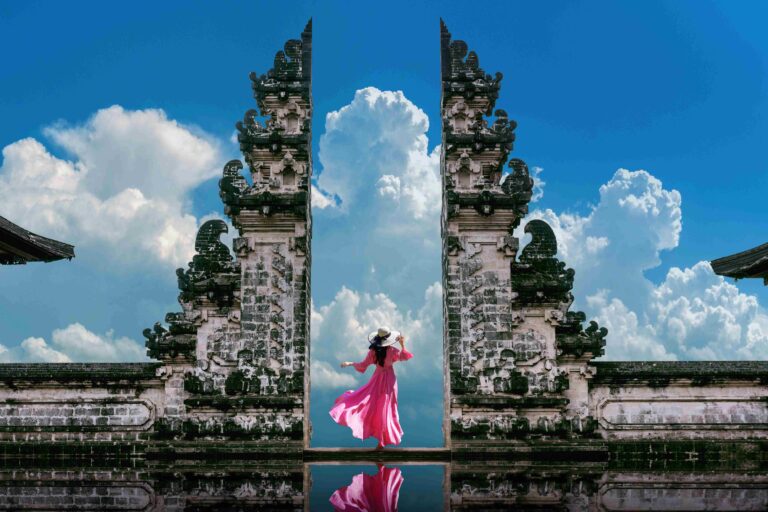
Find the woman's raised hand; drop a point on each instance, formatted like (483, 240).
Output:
(346, 363)
(401, 340)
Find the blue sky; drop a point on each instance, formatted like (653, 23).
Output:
(673, 88)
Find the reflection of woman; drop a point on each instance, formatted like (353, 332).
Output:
(371, 411)
(370, 493)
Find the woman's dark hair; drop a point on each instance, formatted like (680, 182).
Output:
(381, 352)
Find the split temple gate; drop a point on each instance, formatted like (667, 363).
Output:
(519, 363)
(232, 373)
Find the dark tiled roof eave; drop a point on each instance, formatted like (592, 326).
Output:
(30, 246)
(750, 263)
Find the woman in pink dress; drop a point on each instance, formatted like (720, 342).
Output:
(370, 493)
(371, 411)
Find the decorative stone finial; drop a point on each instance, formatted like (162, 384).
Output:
(538, 277)
(462, 73)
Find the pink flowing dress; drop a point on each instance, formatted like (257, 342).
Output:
(370, 493)
(371, 411)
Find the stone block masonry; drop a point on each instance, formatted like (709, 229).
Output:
(245, 319)
(80, 402)
(515, 354)
(233, 363)
(232, 372)
(518, 363)
(665, 400)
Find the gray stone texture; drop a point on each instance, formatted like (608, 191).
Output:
(232, 365)
(518, 363)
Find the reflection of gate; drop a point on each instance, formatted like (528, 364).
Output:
(402, 485)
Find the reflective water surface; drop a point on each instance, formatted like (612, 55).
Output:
(376, 487)
(672, 483)
(415, 488)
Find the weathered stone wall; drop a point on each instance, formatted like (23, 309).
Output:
(234, 359)
(515, 355)
(76, 402)
(680, 400)
(519, 363)
(233, 363)
(242, 372)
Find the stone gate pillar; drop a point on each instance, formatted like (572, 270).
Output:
(238, 352)
(516, 358)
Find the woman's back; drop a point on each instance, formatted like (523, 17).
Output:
(393, 356)
(371, 410)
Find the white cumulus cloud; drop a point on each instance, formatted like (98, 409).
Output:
(538, 184)
(123, 195)
(37, 350)
(325, 376)
(379, 184)
(691, 314)
(379, 142)
(340, 332)
(75, 343)
(140, 149)
(389, 186)
(320, 200)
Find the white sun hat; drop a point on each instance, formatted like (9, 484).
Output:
(390, 336)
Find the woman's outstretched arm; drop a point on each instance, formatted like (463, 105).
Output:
(362, 365)
(404, 355)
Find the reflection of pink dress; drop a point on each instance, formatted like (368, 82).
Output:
(370, 493)
(371, 411)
